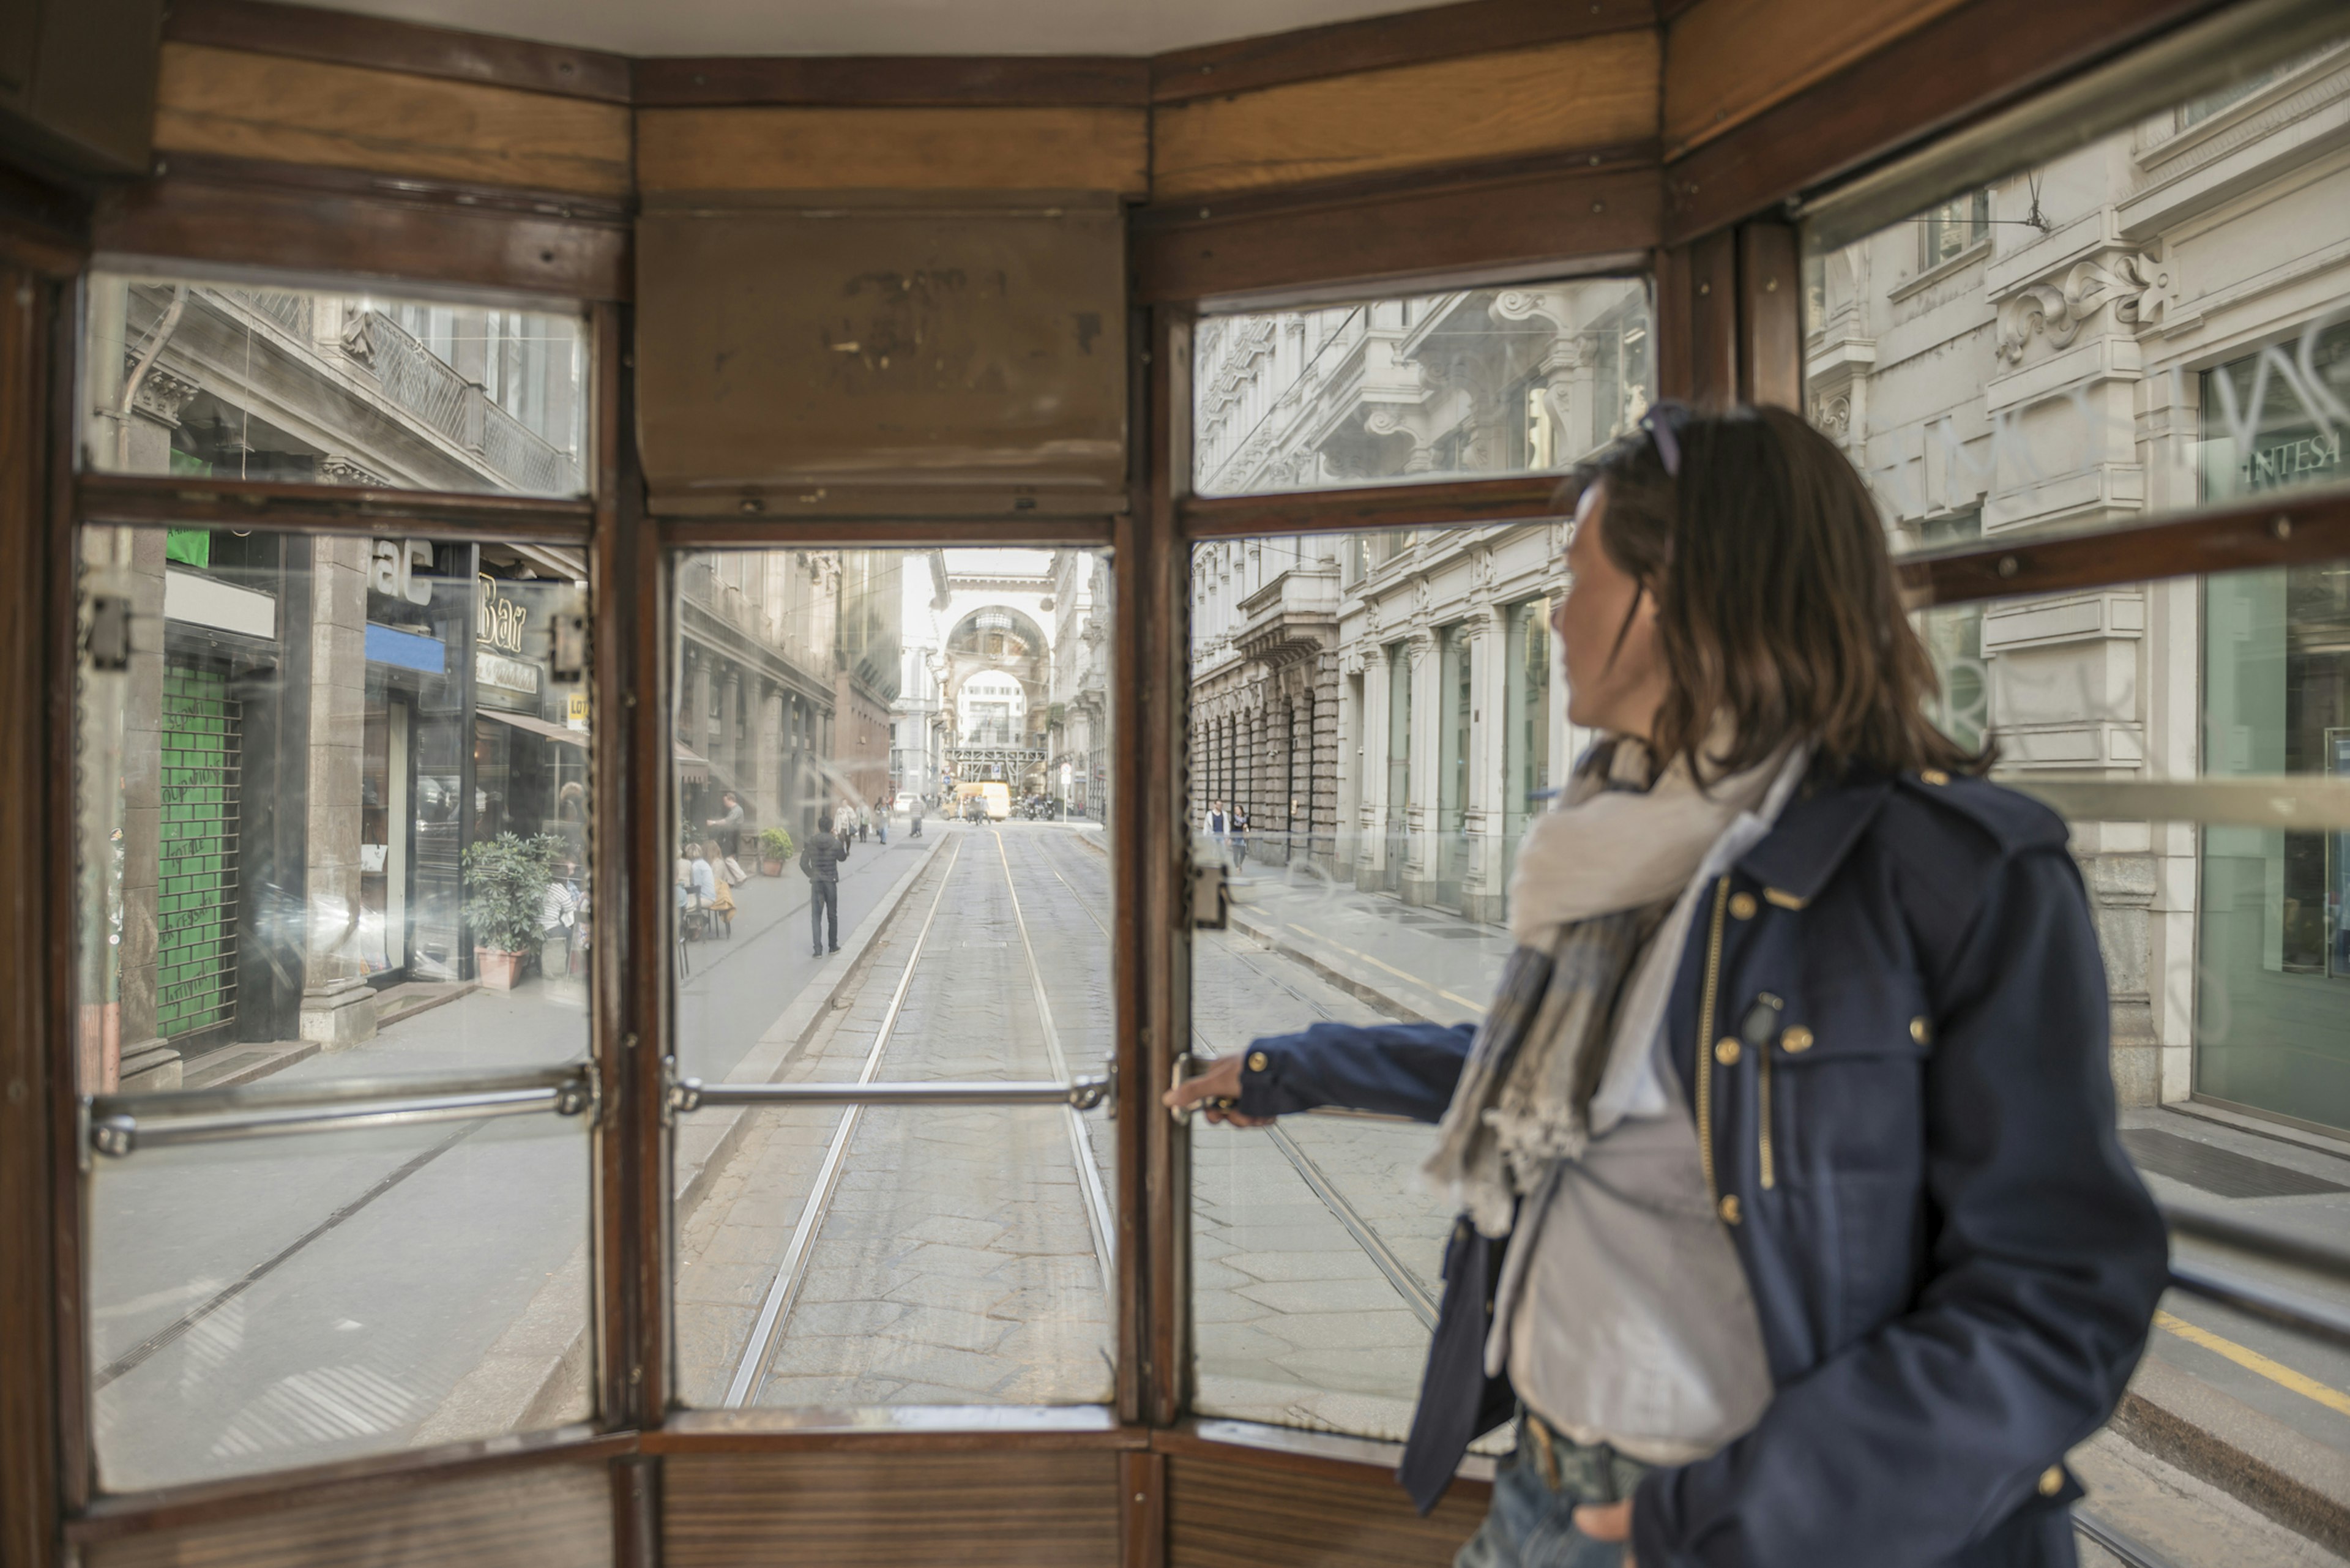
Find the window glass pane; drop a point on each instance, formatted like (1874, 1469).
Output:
(334, 807)
(912, 746)
(266, 1303)
(1363, 758)
(333, 814)
(331, 387)
(2155, 321)
(1525, 379)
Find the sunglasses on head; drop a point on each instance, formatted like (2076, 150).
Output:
(1663, 422)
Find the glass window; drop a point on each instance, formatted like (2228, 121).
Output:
(892, 775)
(1475, 381)
(333, 799)
(331, 387)
(1420, 705)
(2049, 388)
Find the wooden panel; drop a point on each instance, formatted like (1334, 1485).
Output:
(28, 1163)
(313, 226)
(241, 105)
(1728, 61)
(1966, 62)
(1587, 92)
(557, 1516)
(1244, 1513)
(893, 150)
(1401, 39)
(1492, 224)
(1696, 320)
(344, 38)
(1419, 506)
(901, 80)
(1770, 315)
(1016, 1510)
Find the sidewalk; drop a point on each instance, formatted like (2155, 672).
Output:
(1415, 964)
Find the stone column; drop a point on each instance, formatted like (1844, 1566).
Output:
(1371, 823)
(338, 1009)
(119, 1045)
(1420, 813)
(1484, 884)
(729, 717)
(774, 786)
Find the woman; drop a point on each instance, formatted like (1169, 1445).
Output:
(1794, 1219)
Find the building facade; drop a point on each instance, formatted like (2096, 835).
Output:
(1078, 734)
(2157, 321)
(1382, 706)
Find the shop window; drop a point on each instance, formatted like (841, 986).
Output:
(1473, 381)
(325, 386)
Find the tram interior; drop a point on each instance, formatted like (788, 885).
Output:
(663, 665)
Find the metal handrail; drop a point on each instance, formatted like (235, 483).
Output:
(120, 1124)
(2286, 1308)
(1083, 1093)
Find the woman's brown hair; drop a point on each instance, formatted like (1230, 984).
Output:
(1776, 607)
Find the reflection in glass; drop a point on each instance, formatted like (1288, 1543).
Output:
(1492, 381)
(328, 785)
(891, 781)
(331, 387)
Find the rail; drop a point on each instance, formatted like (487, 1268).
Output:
(121, 1125)
(1082, 1093)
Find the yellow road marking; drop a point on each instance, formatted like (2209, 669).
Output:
(2253, 1361)
(1403, 975)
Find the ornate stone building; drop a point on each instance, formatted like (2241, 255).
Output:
(2150, 324)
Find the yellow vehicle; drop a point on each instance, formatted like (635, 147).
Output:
(993, 796)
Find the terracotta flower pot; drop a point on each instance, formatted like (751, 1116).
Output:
(771, 868)
(498, 970)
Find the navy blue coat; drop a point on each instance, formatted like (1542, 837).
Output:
(1908, 1107)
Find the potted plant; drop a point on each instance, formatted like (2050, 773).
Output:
(775, 849)
(506, 879)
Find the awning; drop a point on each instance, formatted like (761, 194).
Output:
(538, 726)
(691, 767)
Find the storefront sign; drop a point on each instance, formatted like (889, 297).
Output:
(391, 570)
(575, 711)
(501, 620)
(505, 674)
(407, 649)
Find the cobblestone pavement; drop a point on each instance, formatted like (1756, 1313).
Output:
(955, 1263)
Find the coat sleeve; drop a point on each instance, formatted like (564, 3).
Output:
(2046, 1258)
(1398, 1069)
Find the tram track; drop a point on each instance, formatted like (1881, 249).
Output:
(1317, 1181)
(785, 1288)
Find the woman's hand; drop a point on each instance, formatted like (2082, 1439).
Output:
(1607, 1521)
(1219, 1086)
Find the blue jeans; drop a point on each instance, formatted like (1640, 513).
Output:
(1536, 1489)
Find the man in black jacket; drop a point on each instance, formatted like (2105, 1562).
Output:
(821, 858)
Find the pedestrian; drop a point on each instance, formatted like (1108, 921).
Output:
(820, 858)
(880, 823)
(922, 805)
(1860, 1318)
(1240, 836)
(1219, 828)
(729, 837)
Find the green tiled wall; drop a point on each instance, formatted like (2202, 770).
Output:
(196, 904)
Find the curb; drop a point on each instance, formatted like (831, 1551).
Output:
(1360, 990)
(2252, 1457)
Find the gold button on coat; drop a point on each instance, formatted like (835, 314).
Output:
(1728, 1208)
(1725, 1051)
(1742, 906)
(1918, 1030)
(2051, 1480)
(1256, 1061)
(1934, 775)
(1796, 1039)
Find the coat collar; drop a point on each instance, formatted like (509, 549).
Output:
(1810, 839)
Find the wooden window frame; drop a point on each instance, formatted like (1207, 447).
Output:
(1708, 224)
